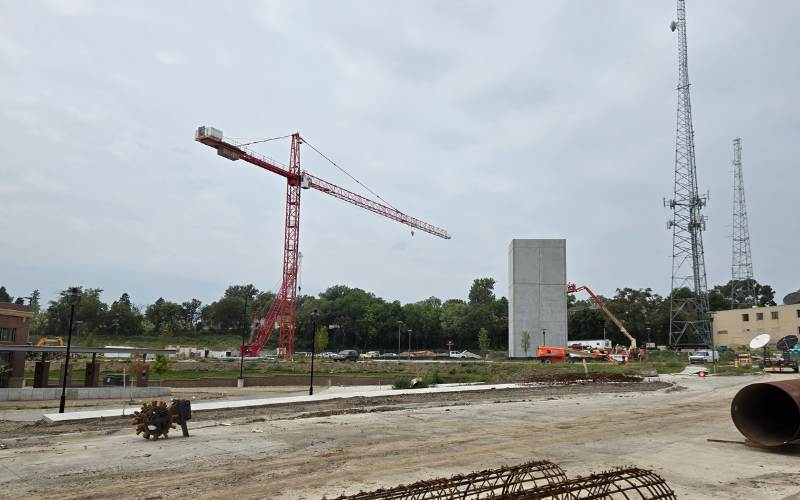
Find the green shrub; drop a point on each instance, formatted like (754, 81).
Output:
(160, 365)
(432, 377)
(405, 383)
(402, 383)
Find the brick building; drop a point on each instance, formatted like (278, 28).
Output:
(15, 321)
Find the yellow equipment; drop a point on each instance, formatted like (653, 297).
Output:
(50, 341)
(633, 351)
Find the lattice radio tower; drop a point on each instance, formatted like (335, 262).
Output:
(689, 311)
(742, 264)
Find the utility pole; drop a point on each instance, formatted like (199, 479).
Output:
(74, 296)
(409, 344)
(689, 314)
(742, 265)
(240, 382)
(314, 316)
(399, 324)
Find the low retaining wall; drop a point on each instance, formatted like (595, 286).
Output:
(31, 394)
(273, 380)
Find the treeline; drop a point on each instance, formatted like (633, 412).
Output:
(354, 318)
(646, 315)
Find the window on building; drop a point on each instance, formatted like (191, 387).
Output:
(745, 317)
(722, 332)
(7, 334)
(798, 313)
(774, 314)
(759, 316)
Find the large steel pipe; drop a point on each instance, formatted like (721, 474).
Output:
(768, 413)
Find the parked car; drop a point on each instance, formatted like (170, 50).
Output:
(346, 355)
(704, 356)
(389, 355)
(464, 354)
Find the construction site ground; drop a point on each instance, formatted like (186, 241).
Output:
(342, 446)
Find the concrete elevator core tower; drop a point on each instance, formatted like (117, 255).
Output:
(537, 295)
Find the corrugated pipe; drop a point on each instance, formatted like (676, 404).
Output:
(768, 413)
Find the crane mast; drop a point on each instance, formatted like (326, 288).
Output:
(282, 313)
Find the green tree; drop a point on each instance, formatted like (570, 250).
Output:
(481, 293)
(167, 317)
(4, 296)
(452, 319)
(123, 318)
(483, 341)
(748, 293)
(160, 365)
(322, 339)
(90, 311)
(192, 312)
(35, 297)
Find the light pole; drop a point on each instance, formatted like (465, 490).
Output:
(74, 296)
(544, 336)
(314, 316)
(399, 324)
(409, 344)
(240, 383)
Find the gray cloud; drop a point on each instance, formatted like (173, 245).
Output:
(493, 120)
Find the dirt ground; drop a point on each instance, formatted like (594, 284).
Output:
(342, 446)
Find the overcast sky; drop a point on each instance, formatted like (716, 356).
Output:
(493, 120)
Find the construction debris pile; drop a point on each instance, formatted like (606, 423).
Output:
(531, 480)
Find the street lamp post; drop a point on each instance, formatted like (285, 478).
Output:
(544, 336)
(240, 382)
(74, 295)
(314, 316)
(399, 324)
(409, 344)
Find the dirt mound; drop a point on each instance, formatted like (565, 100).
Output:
(575, 378)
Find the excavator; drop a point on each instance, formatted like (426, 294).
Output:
(556, 354)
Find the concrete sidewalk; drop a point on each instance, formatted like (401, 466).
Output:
(344, 392)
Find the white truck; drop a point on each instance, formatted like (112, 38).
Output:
(590, 344)
(703, 356)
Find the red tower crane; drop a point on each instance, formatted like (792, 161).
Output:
(283, 311)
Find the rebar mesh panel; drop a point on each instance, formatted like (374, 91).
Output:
(627, 484)
(491, 483)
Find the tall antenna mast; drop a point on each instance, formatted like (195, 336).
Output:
(742, 265)
(689, 312)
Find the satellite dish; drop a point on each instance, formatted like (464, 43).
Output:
(787, 342)
(760, 341)
(673, 25)
(792, 298)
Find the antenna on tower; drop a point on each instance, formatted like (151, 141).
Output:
(742, 282)
(689, 310)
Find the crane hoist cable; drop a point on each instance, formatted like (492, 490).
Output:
(347, 173)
